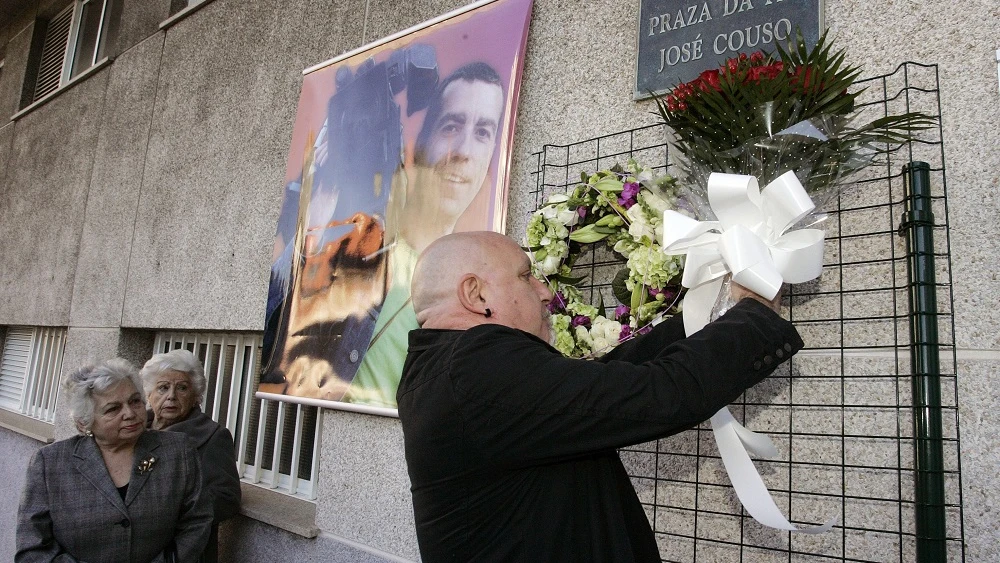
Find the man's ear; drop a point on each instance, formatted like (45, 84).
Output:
(470, 294)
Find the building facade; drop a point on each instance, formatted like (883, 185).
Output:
(141, 175)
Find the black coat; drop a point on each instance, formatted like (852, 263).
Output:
(218, 461)
(510, 446)
(220, 479)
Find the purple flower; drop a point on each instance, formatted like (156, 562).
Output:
(667, 293)
(557, 304)
(580, 320)
(627, 197)
(625, 333)
(621, 311)
(581, 211)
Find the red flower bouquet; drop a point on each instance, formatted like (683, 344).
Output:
(767, 113)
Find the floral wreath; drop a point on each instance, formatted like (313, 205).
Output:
(623, 208)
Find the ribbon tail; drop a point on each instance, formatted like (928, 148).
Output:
(698, 303)
(746, 480)
(757, 445)
(749, 221)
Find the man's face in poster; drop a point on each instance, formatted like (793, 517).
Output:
(453, 164)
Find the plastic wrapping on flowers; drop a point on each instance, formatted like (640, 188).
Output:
(621, 208)
(767, 113)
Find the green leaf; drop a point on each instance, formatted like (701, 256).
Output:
(607, 220)
(568, 280)
(588, 234)
(622, 294)
(609, 184)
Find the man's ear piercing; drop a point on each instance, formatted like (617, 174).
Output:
(488, 313)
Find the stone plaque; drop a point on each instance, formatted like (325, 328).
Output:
(678, 39)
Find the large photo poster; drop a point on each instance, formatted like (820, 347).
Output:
(394, 145)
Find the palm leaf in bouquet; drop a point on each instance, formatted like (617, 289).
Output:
(767, 113)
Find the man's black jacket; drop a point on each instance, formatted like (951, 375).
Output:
(510, 446)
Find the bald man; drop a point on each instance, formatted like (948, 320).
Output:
(511, 447)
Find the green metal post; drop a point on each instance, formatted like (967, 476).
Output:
(918, 227)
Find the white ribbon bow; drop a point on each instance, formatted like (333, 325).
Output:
(751, 241)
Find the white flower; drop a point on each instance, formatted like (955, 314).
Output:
(561, 215)
(583, 339)
(568, 217)
(655, 202)
(550, 265)
(604, 333)
(640, 226)
(556, 210)
(624, 247)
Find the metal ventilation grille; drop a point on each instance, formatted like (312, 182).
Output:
(30, 369)
(14, 366)
(50, 69)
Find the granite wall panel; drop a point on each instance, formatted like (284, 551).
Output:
(109, 221)
(42, 205)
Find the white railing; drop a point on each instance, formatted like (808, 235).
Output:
(277, 443)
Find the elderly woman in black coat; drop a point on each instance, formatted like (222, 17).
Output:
(175, 385)
(117, 492)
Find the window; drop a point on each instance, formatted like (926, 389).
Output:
(276, 442)
(179, 5)
(29, 370)
(180, 9)
(73, 41)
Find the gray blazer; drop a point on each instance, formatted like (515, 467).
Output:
(71, 511)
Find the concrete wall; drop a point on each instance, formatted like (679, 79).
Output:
(17, 451)
(146, 197)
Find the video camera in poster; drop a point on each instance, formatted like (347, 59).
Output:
(394, 145)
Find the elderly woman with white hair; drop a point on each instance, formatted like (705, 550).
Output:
(116, 492)
(175, 384)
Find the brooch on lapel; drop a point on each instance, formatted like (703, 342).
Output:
(146, 465)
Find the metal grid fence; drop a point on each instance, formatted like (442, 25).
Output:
(841, 412)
